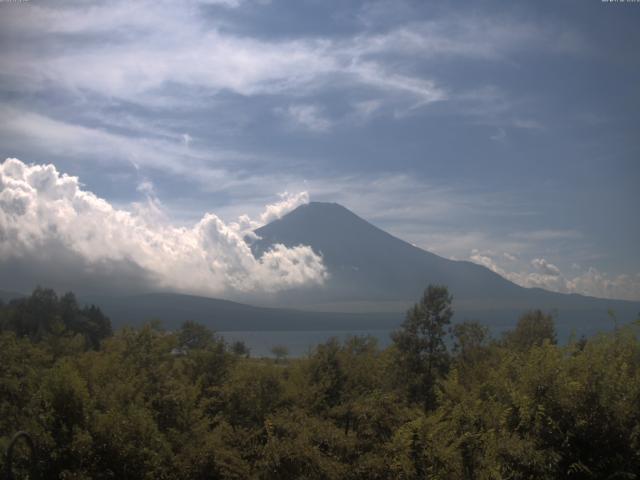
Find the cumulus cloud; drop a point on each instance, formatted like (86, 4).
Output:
(619, 286)
(42, 210)
(545, 267)
(288, 202)
(486, 261)
(245, 225)
(545, 274)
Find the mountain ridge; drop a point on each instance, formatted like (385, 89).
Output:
(374, 277)
(227, 315)
(368, 265)
(268, 238)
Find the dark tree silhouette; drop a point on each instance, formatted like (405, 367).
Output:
(533, 328)
(420, 343)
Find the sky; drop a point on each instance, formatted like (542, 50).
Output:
(505, 133)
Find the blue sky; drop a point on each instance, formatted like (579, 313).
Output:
(506, 133)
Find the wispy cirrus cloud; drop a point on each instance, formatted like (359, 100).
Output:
(72, 141)
(309, 117)
(169, 46)
(163, 45)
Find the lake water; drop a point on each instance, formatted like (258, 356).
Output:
(299, 343)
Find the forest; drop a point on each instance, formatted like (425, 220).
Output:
(445, 401)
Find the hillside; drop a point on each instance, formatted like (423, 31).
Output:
(224, 315)
(371, 270)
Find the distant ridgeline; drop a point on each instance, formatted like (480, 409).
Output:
(373, 278)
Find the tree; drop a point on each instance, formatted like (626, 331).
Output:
(327, 377)
(45, 315)
(468, 339)
(240, 349)
(194, 335)
(420, 343)
(97, 325)
(533, 328)
(280, 352)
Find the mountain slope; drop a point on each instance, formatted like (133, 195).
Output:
(370, 267)
(224, 315)
(374, 278)
(366, 262)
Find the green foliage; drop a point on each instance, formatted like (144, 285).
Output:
(240, 348)
(44, 316)
(533, 328)
(154, 404)
(470, 338)
(281, 352)
(420, 344)
(193, 335)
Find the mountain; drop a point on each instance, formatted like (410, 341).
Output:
(373, 278)
(371, 270)
(224, 315)
(367, 263)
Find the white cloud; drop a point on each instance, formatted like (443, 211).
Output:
(39, 207)
(163, 54)
(288, 202)
(545, 267)
(46, 134)
(599, 284)
(553, 282)
(486, 37)
(363, 111)
(486, 260)
(509, 256)
(159, 47)
(309, 117)
(373, 74)
(224, 3)
(546, 275)
(146, 187)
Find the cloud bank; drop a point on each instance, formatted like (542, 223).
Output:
(46, 217)
(540, 273)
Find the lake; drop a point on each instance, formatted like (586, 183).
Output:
(299, 343)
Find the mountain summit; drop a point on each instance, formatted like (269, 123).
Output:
(372, 270)
(366, 262)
